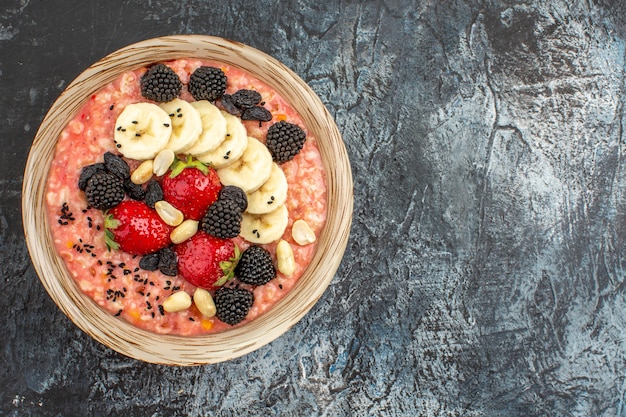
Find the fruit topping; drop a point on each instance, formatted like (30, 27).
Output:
(191, 187)
(116, 166)
(266, 227)
(135, 228)
(231, 146)
(256, 113)
(255, 266)
(251, 170)
(271, 194)
(245, 104)
(206, 261)
(150, 262)
(207, 83)
(186, 124)
(104, 191)
(285, 140)
(134, 191)
(232, 192)
(154, 193)
(87, 172)
(168, 262)
(245, 98)
(213, 128)
(160, 83)
(142, 130)
(223, 219)
(232, 304)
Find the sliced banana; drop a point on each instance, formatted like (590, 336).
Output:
(213, 128)
(265, 228)
(271, 194)
(186, 124)
(251, 170)
(142, 130)
(233, 146)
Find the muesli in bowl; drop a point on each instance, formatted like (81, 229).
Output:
(188, 197)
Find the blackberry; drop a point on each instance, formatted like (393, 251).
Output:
(104, 191)
(154, 193)
(232, 304)
(168, 262)
(160, 84)
(255, 266)
(236, 194)
(87, 172)
(284, 140)
(207, 83)
(222, 219)
(256, 113)
(115, 165)
(246, 98)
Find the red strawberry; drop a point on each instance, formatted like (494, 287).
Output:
(206, 261)
(135, 228)
(191, 187)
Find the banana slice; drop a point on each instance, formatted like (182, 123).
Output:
(233, 146)
(251, 170)
(142, 130)
(213, 128)
(271, 194)
(186, 124)
(265, 228)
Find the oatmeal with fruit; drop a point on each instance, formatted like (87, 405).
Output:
(186, 197)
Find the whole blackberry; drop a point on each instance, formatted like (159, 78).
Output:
(104, 191)
(222, 219)
(160, 84)
(255, 266)
(207, 83)
(236, 194)
(232, 304)
(87, 172)
(284, 140)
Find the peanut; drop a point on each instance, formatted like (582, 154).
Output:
(302, 233)
(168, 213)
(184, 231)
(162, 162)
(142, 173)
(285, 258)
(178, 301)
(204, 302)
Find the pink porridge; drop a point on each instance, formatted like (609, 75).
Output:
(113, 278)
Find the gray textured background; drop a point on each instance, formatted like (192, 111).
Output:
(484, 273)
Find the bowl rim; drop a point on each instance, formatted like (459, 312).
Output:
(174, 349)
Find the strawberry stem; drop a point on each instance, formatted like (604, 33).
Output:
(179, 165)
(110, 223)
(228, 268)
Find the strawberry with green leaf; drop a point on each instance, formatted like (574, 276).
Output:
(135, 228)
(207, 261)
(191, 187)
